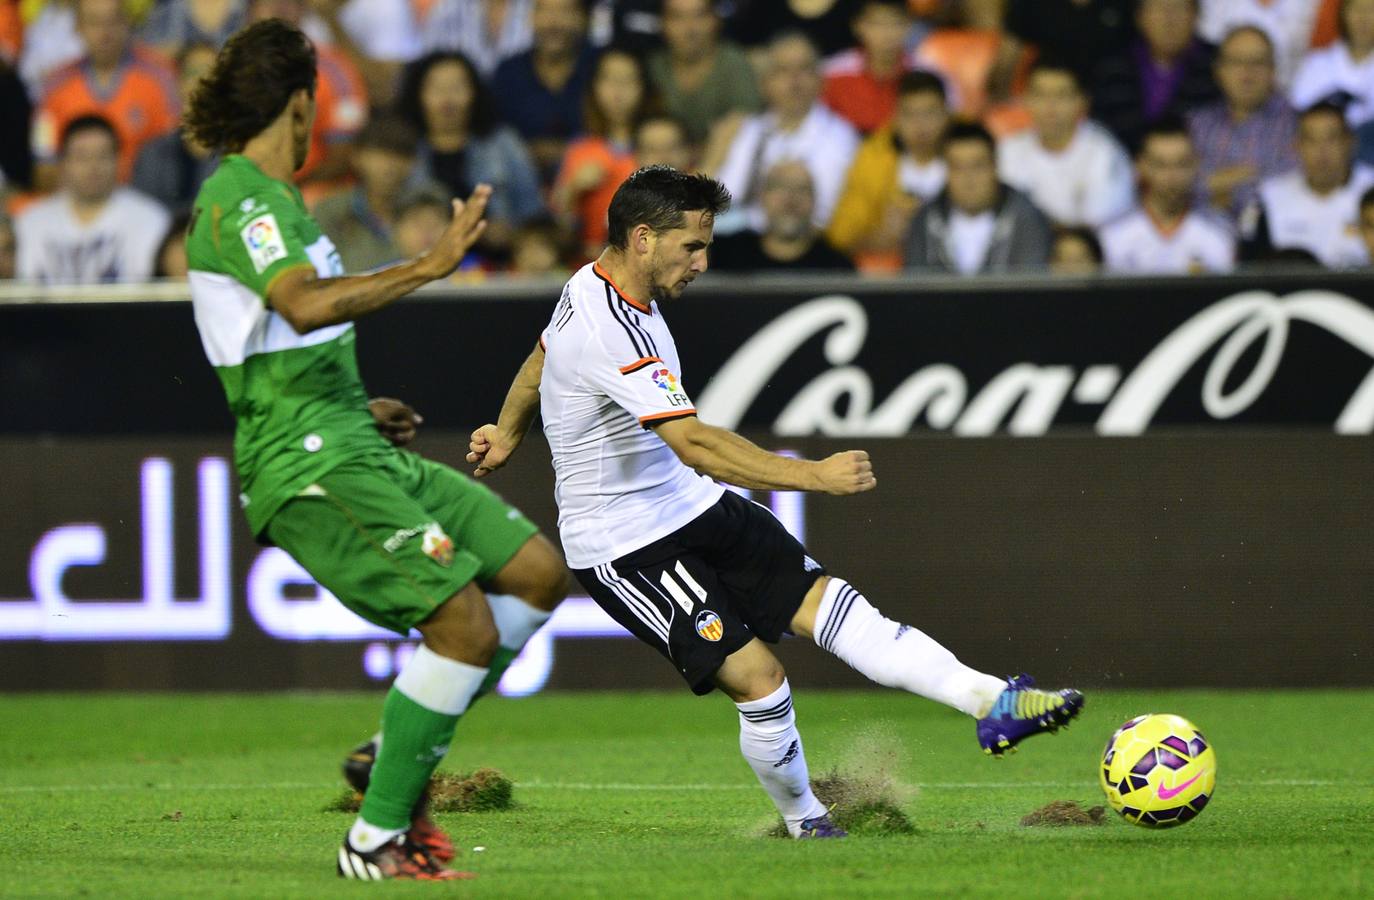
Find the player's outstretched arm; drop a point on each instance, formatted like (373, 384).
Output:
(308, 302)
(725, 456)
(492, 445)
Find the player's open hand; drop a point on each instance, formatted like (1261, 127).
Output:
(489, 450)
(846, 472)
(395, 420)
(462, 232)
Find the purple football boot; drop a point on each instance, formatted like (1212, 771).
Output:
(821, 827)
(1022, 710)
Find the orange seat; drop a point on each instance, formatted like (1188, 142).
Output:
(965, 56)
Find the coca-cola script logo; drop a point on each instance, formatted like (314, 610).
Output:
(1027, 397)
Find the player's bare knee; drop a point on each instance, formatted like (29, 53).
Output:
(462, 628)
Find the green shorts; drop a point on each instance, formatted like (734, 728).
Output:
(396, 535)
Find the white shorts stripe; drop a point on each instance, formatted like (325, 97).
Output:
(635, 602)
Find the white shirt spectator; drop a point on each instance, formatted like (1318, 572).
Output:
(1288, 23)
(969, 239)
(462, 25)
(1329, 71)
(384, 30)
(50, 43)
(120, 244)
(1135, 244)
(924, 181)
(1090, 182)
(1328, 226)
(824, 142)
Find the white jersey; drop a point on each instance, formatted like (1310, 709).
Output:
(1327, 226)
(1089, 182)
(611, 370)
(1331, 72)
(1134, 244)
(119, 244)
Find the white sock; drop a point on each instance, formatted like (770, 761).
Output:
(516, 621)
(769, 740)
(898, 655)
(367, 838)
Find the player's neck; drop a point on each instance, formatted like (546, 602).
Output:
(622, 275)
(273, 151)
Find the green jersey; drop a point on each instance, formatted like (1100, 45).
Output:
(298, 401)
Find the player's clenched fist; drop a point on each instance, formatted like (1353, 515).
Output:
(488, 450)
(846, 472)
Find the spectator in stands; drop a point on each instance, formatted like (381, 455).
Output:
(1366, 224)
(537, 251)
(340, 104)
(1248, 134)
(1075, 251)
(170, 168)
(789, 238)
(171, 261)
(116, 79)
(898, 168)
(794, 125)
(861, 83)
(1342, 73)
(488, 32)
(1072, 168)
(175, 24)
(1164, 74)
(360, 220)
(1287, 23)
(7, 243)
(700, 77)
(462, 144)
(1316, 206)
(421, 217)
(1168, 233)
(598, 162)
(91, 230)
(661, 140)
(977, 224)
(50, 42)
(16, 154)
(541, 89)
(825, 22)
(1082, 33)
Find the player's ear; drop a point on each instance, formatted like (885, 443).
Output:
(641, 239)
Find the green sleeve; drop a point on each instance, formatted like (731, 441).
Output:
(264, 235)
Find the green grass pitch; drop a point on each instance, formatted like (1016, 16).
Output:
(645, 795)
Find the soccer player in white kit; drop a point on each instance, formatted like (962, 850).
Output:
(705, 577)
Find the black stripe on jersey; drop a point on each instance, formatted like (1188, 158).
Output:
(564, 315)
(640, 351)
(634, 322)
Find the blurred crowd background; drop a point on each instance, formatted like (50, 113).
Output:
(953, 136)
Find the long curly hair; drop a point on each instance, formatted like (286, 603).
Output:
(253, 79)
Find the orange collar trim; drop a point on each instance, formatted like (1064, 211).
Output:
(601, 273)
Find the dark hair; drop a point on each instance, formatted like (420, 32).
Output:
(1325, 107)
(1057, 65)
(659, 196)
(920, 81)
(481, 116)
(423, 198)
(1367, 199)
(1080, 234)
(593, 122)
(1167, 127)
(389, 132)
(87, 123)
(968, 131)
(255, 76)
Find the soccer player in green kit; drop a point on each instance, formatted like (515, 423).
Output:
(402, 541)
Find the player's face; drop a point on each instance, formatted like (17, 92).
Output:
(689, 28)
(90, 166)
(678, 256)
(919, 122)
(1325, 149)
(1245, 70)
(1055, 103)
(972, 179)
(1168, 169)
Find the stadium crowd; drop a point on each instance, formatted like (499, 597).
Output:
(982, 136)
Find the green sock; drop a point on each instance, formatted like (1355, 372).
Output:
(499, 664)
(414, 740)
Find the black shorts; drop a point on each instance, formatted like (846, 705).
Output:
(730, 575)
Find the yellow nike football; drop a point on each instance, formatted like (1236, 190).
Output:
(1158, 771)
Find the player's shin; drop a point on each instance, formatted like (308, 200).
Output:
(769, 740)
(422, 708)
(516, 622)
(897, 655)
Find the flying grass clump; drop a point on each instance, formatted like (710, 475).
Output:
(486, 790)
(1065, 812)
(863, 792)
